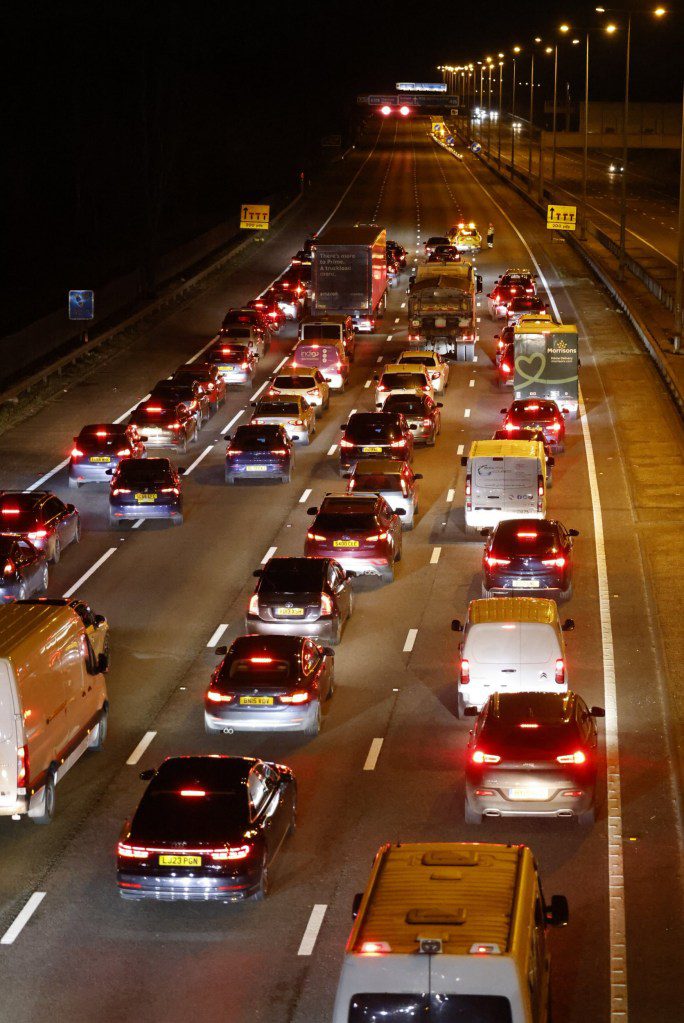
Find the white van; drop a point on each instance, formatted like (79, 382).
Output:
(450, 931)
(505, 479)
(511, 645)
(53, 703)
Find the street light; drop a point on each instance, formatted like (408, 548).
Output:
(516, 51)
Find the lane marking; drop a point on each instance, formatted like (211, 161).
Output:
(389, 338)
(466, 414)
(436, 551)
(410, 640)
(217, 635)
(373, 754)
(268, 555)
(259, 390)
(131, 409)
(450, 496)
(47, 476)
(280, 364)
(379, 358)
(368, 383)
(459, 449)
(198, 460)
(332, 449)
(352, 412)
(22, 918)
(233, 421)
(140, 748)
(472, 383)
(474, 358)
(93, 568)
(403, 305)
(308, 941)
(397, 320)
(200, 352)
(137, 524)
(305, 496)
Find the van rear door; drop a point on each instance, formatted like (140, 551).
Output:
(488, 483)
(539, 648)
(493, 652)
(520, 476)
(8, 736)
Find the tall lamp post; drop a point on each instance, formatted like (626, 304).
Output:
(516, 51)
(537, 39)
(679, 284)
(554, 50)
(489, 107)
(500, 112)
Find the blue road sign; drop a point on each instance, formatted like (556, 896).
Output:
(450, 140)
(476, 147)
(81, 305)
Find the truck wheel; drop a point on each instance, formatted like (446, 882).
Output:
(48, 801)
(470, 352)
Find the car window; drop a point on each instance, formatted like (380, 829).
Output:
(310, 658)
(53, 506)
(260, 785)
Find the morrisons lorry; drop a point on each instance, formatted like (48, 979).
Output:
(349, 274)
(546, 362)
(442, 309)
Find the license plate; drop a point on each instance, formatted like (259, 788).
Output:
(525, 584)
(100, 458)
(531, 793)
(257, 468)
(345, 543)
(145, 498)
(256, 701)
(375, 450)
(180, 861)
(289, 612)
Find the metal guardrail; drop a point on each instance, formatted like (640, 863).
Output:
(12, 394)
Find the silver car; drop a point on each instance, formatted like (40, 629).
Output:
(291, 412)
(301, 597)
(395, 481)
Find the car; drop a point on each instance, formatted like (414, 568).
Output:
(529, 433)
(423, 415)
(465, 237)
(309, 384)
(289, 292)
(266, 305)
(206, 376)
(302, 258)
(23, 568)
(401, 379)
(397, 252)
(301, 597)
(236, 322)
(510, 285)
(506, 366)
(375, 435)
(433, 241)
(258, 453)
(291, 412)
(532, 755)
(540, 413)
(359, 530)
(189, 394)
(145, 488)
(524, 305)
(42, 518)
(269, 683)
(437, 368)
(207, 828)
(533, 558)
(165, 423)
(96, 626)
(101, 446)
(236, 363)
(254, 338)
(393, 480)
(506, 337)
(445, 254)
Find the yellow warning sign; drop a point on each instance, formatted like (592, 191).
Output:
(438, 126)
(561, 218)
(254, 218)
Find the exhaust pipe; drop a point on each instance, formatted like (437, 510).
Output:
(228, 731)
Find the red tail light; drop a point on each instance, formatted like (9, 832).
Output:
(120, 490)
(153, 408)
(493, 562)
(101, 433)
(299, 697)
(495, 296)
(505, 368)
(175, 426)
(468, 486)
(37, 534)
(314, 536)
(398, 443)
(230, 452)
(376, 536)
(465, 672)
(554, 562)
(346, 443)
(279, 451)
(193, 793)
(427, 388)
(381, 387)
(555, 427)
(500, 343)
(213, 696)
(22, 767)
(298, 422)
(11, 511)
(10, 568)
(479, 757)
(560, 671)
(76, 453)
(254, 604)
(578, 757)
(123, 453)
(244, 365)
(170, 490)
(510, 426)
(326, 602)
(132, 852)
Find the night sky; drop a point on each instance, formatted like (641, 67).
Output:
(133, 126)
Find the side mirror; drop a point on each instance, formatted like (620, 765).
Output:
(376, 377)
(228, 437)
(328, 651)
(400, 511)
(464, 460)
(597, 712)
(569, 625)
(312, 511)
(356, 904)
(503, 411)
(550, 461)
(470, 712)
(347, 475)
(257, 573)
(417, 475)
(100, 619)
(343, 426)
(574, 532)
(350, 574)
(558, 913)
(148, 774)
(144, 437)
(497, 337)
(253, 404)
(102, 664)
(456, 625)
(440, 404)
(565, 411)
(485, 532)
(71, 508)
(109, 472)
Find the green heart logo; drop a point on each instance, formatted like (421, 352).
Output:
(524, 368)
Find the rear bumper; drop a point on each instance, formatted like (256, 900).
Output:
(145, 511)
(557, 805)
(501, 585)
(487, 518)
(271, 471)
(321, 628)
(370, 565)
(279, 718)
(137, 887)
(166, 439)
(86, 472)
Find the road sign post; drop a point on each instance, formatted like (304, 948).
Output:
(82, 307)
(561, 218)
(254, 218)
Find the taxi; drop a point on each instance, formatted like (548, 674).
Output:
(466, 237)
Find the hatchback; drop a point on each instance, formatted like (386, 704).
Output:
(189, 393)
(238, 322)
(145, 488)
(41, 518)
(360, 531)
(422, 414)
(165, 423)
(208, 828)
(532, 755)
(236, 363)
(393, 480)
(23, 568)
(252, 337)
(538, 413)
(301, 597)
(375, 435)
(206, 375)
(512, 284)
(258, 453)
(99, 447)
(520, 305)
(310, 385)
(269, 683)
(528, 558)
(399, 379)
(294, 414)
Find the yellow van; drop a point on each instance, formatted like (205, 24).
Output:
(450, 930)
(53, 703)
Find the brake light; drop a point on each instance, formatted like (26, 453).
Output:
(377, 536)
(10, 511)
(465, 671)
(170, 490)
(555, 427)
(231, 852)
(299, 697)
(578, 757)
(101, 433)
(193, 793)
(326, 602)
(529, 291)
(22, 766)
(279, 451)
(532, 408)
(254, 604)
(153, 408)
(492, 562)
(297, 422)
(398, 443)
(346, 443)
(505, 368)
(528, 724)
(560, 671)
(132, 852)
(554, 562)
(261, 660)
(76, 453)
(524, 535)
(500, 343)
(120, 490)
(124, 453)
(230, 452)
(381, 387)
(510, 427)
(427, 388)
(214, 696)
(495, 296)
(540, 487)
(374, 948)
(37, 534)
(468, 486)
(480, 757)
(10, 568)
(175, 426)
(314, 536)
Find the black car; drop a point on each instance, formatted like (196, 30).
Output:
(445, 254)
(145, 488)
(528, 557)
(375, 435)
(101, 446)
(207, 377)
(301, 597)
(41, 518)
(269, 683)
(188, 392)
(23, 569)
(397, 252)
(532, 755)
(259, 453)
(207, 828)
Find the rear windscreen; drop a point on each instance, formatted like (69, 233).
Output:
(423, 1008)
(398, 380)
(17, 514)
(142, 470)
(418, 360)
(292, 575)
(256, 439)
(409, 406)
(510, 643)
(377, 481)
(294, 383)
(172, 817)
(277, 408)
(100, 438)
(371, 428)
(323, 330)
(239, 331)
(334, 523)
(526, 538)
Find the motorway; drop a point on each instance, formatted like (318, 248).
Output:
(387, 764)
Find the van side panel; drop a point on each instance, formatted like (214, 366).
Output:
(9, 736)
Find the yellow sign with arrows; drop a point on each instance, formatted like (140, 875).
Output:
(254, 218)
(561, 218)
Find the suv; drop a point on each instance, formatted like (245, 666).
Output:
(40, 517)
(100, 447)
(361, 532)
(301, 597)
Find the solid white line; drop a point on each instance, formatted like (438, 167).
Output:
(305, 496)
(459, 449)
(258, 391)
(137, 524)
(373, 754)
(352, 412)
(410, 640)
(348, 188)
(233, 421)
(140, 748)
(368, 383)
(129, 410)
(217, 635)
(268, 555)
(281, 364)
(450, 496)
(466, 414)
(47, 476)
(311, 932)
(22, 918)
(198, 460)
(332, 449)
(472, 383)
(197, 354)
(434, 558)
(93, 568)
(379, 358)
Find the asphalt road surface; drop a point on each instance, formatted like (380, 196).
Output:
(83, 953)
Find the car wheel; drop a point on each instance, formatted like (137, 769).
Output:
(389, 573)
(567, 593)
(587, 818)
(471, 817)
(44, 581)
(472, 532)
(21, 592)
(313, 727)
(486, 594)
(73, 484)
(184, 446)
(178, 520)
(431, 442)
(398, 553)
(106, 652)
(112, 521)
(264, 885)
(337, 634)
(288, 478)
(49, 801)
(99, 735)
(56, 551)
(331, 687)
(459, 705)
(350, 611)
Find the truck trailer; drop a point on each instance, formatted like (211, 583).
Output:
(349, 274)
(442, 315)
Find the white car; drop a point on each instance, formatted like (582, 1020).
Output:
(309, 384)
(437, 368)
(398, 379)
